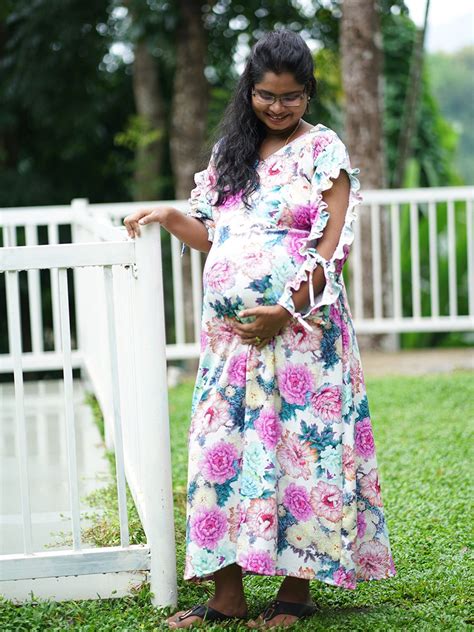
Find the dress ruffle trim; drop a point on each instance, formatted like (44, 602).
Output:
(200, 203)
(333, 286)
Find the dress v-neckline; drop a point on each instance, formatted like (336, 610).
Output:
(264, 160)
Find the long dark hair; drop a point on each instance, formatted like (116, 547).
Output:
(240, 131)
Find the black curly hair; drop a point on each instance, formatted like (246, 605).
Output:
(240, 131)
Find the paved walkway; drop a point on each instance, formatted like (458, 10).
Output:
(47, 463)
(417, 362)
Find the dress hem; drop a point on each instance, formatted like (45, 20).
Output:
(199, 579)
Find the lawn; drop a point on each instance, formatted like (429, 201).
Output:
(423, 429)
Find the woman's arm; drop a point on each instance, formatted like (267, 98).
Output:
(337, 198)
(187, 229)
(269, 320)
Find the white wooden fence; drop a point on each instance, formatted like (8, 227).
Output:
(119, 344)
(119, 311)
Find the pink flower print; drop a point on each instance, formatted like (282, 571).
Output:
(294, 382)
(327, 404)
(336, 317)
(237, 369)
(298, 338)
(370, 488)
(373, 560)
(348, 463)
(268, 428)
(221, 334)
(303, 217)
(211, 415)
(296, 499)
(256, 263)
(345, 578)
(361, 524)
(236, 518)
(262, 519)
(293, 242)
(364, 439)
(295, 456)
(340, 262)
(220, 276)
(258, 562)
(232, 200)
(218, 464)
(274, 169)
(326, 501)
(208, 526)
(203, 340)
(321, 141)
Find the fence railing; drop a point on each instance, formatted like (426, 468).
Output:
(429, 257)
(111, 326)
(119, 316)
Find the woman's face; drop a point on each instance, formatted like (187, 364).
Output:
(276, 116)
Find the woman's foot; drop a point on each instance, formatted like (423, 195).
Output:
(229, 607)
(292, 590)
(229, 598)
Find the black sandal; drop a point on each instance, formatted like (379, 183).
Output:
(300, 610)
(206, 613)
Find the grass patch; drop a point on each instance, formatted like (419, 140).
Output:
(423, 429)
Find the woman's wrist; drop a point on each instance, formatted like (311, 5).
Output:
(282, 313)
(168, 214)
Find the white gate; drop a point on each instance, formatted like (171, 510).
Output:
(121, 335)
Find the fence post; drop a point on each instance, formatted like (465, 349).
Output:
(154, 422)
(78, 207)
(92, 340)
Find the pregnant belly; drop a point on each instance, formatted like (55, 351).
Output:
(242, 278)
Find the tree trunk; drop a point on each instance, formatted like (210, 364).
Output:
(189, 116)
(361, 61)
(150, 108)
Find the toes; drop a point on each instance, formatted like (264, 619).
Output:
(184, 624)
(282, 620)
(173, 621)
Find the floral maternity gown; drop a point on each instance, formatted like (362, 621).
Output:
(282, 474)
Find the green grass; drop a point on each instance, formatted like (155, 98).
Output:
(423, 429)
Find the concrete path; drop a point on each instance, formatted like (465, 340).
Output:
(47, 463)
(417, 362)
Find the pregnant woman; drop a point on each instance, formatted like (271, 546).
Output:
(282, 476)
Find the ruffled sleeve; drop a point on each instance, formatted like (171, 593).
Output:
(330, 157)
(202, 197)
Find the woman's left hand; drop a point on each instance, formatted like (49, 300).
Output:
(269, 320)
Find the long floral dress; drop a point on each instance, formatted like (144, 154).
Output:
(282, 475)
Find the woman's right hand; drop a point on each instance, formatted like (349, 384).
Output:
(144, 216)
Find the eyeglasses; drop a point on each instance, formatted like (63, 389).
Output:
(288, 100)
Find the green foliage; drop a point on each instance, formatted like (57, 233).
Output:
(423, 436)
(452, 80)
(434, 143)
(61, 105)
(67, 127)
(138, 133)
(329, 95)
